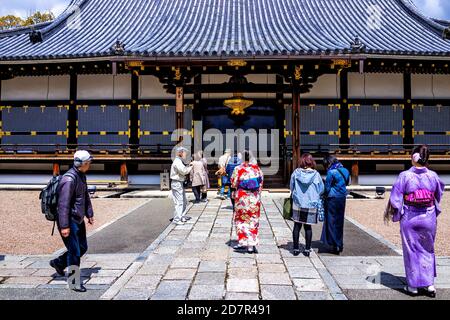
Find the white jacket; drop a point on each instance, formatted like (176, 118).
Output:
(179, 170)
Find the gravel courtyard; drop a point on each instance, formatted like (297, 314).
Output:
(370, 214)
(25, 231)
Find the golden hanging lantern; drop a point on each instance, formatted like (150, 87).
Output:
(238, 104)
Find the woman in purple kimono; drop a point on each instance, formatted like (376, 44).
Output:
(414, 202)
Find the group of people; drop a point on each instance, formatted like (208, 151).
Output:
(414, 202)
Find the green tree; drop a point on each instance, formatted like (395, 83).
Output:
(38, 17)
(10, 21)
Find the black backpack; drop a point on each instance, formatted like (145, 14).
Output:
(49, 199)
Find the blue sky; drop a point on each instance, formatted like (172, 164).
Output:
(434, 8)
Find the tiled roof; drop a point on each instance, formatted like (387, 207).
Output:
(227, 28)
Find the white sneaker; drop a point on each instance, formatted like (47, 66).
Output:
(179, 222)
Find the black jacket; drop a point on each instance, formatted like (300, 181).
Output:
(74, 201)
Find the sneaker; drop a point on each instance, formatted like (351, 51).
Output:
(59, 270)
(179, 222)
(81, 288)
(307, 253)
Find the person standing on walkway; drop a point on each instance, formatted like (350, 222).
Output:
(415, 203)
(199, 178)
(74, 206)
(235, 161)
(247, 180)
(338, 178)
(307, 188)
(207, 186)
(221, 173)
(178, 173)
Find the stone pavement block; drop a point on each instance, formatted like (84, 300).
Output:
(28, 280)
(16, 264)
(171, 290)
(18, 286)
(443, 261)
(241, 262)
(134, 294)
(318, 295)
(269, 258)
(180, 274)
(15, 258)
(114, 265)
(241, 296)
(303, 272)
(149, 269)
(159, 259)
(207, 292)
(277, 292)
(210, 278)
(16, 272)
(268, 249)
(345, 270)
(184, 263)
(45, 273)
(167, 249)
(309, 285)
(275, 278)
(243, 273)
(338, 296)
(102, 280)
(143, 281)
(266, 268)
(107, 273)
(243, 285)
(298, 262)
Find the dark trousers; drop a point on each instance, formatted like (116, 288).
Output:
(232, 198)
(197, 193)
(76, 244)
(296, 235)
(333, 226)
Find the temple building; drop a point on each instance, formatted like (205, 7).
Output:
(365, 79)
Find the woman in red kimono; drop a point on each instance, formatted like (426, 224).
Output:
(247, 181)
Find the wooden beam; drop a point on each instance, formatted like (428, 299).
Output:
(134, 112)
(56, 169)
(123, 172)
(408, 112)
(355, 173)
(295, 128)
(72, 113)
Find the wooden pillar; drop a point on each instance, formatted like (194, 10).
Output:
(123, 172)
(344, 113)
(408, 112)
(179, 110)
(56, 169)
(295, 127)
(355, 173)
(73, 113)
(134, 112)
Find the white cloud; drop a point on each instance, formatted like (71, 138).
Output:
(434, 8)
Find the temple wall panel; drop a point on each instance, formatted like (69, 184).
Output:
(426, 86)
(36, 88)
(375, 85)
(151, 88)
(326, 87)
(92, 87)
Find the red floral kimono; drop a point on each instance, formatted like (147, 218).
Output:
(247, 180)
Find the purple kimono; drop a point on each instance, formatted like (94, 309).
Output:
(417, 225)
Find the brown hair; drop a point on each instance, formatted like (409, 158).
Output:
(307, 161)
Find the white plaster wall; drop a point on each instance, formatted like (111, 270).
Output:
(375, 85)
(36, 88)
(326, 87)
(427, 86)
(104, 86)
(151, 88)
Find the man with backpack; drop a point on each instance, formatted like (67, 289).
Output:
(73, 206)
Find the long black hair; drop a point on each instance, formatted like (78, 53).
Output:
(424, 152)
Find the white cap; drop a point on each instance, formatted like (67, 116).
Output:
(182, 149)
(82, 156)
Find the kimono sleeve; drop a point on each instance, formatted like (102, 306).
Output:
(440, 186)
(396, 199)
(261, 176)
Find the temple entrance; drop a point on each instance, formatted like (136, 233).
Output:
(259, 130)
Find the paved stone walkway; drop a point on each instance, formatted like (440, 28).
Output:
(196, 262)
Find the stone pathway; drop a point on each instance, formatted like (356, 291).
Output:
(196, 261)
